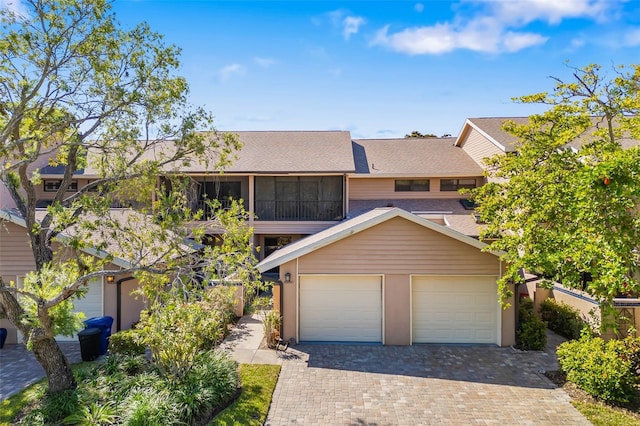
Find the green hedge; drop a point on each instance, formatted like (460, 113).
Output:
(562, 318)
(531, 333)
(604, 370)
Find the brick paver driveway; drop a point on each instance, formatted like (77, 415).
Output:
(418, 385)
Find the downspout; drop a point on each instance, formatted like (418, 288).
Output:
(119, 300)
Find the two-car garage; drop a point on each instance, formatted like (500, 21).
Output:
(444, 309)
(391, 277)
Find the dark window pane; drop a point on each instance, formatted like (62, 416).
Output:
(406, 185)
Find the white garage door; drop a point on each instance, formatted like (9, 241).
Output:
(90, 304)
(455, 309)
(341, 308)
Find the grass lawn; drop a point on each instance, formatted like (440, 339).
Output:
(251, 408)
(603, 415)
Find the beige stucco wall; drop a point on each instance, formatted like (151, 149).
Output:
(397, 309)
(479, 147)
(384, 189)
(130, 305)
(395, 249)
(289, 301)
(508, 337)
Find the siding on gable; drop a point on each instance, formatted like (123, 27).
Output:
(479, 147)
(399, 246)
(16, 257)
(384, 189)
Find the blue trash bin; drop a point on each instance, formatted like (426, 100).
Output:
(104, 324)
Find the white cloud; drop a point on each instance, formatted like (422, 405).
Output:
(499, 27)
(264, 62)
(513, 42)
(231, 70)
(632, 37)
(351, 25)
(550, 11)
(15, 6)
(419, 7)
(444, 38)
(577, 43)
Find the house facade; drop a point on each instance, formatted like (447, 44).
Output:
(375, 228)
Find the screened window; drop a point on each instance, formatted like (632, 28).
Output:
(299, 197)
(456, 184)
(412, 185)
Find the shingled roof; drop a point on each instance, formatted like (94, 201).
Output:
(491, 128)
(412, 157)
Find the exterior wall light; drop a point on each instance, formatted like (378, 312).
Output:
(111, 278)
(287, 277)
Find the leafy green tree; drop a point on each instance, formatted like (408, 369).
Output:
(417, 134)
(567, 205)
(77, 87)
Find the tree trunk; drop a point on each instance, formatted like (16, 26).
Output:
(55, 364)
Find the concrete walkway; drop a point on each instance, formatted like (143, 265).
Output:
(245, 345)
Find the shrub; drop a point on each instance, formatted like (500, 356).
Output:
(271, 326)
(222, 299)
(211, 383)
(53, 408)
(531, 333)
(562, 318)
(602, 369)
(177, 331)
(126, 342)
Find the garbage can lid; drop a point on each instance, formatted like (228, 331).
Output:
(89, 331)
(105, 321)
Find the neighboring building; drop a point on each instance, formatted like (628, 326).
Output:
(110, 295)
(484, 137)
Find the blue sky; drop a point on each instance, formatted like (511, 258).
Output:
(382, 68)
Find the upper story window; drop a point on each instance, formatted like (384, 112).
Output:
(291, 198)
(456, 184)
(52, 185)
(412, 185)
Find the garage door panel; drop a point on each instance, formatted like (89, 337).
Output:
(90, 305)
(454, 309)
(341, 308)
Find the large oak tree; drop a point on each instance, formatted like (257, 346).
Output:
(567, 204)
(77, 87)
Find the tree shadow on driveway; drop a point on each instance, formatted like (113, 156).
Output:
(471, 363)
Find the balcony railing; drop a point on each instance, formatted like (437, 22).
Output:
(208, 210)
(299, 210)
